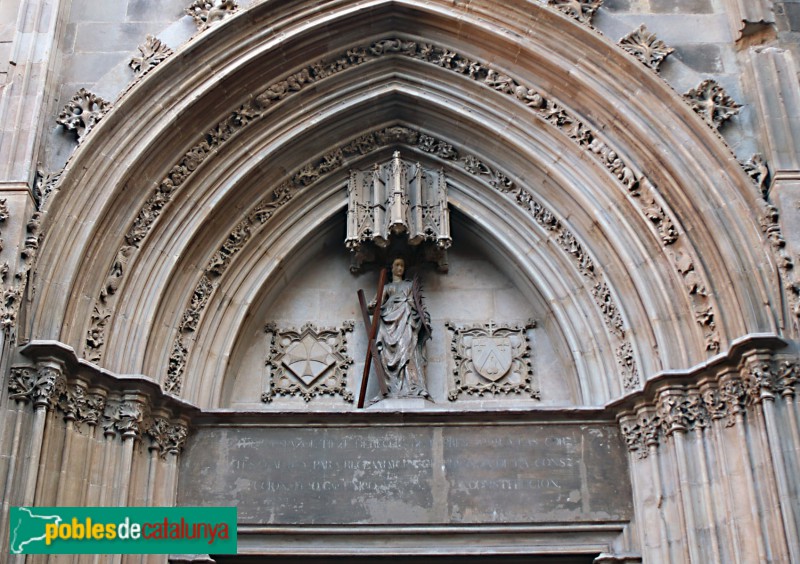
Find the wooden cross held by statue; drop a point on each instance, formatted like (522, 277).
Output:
(372, 333)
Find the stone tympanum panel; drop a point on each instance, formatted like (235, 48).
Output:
(427, 474)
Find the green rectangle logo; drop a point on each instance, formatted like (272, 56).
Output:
(122, 530)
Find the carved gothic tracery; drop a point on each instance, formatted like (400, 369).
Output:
(646, 47)
(308, 362)
(83, 112)
(712, 102)
(491, 360)
(397, 198)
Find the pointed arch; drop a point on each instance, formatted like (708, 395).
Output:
(168, 175)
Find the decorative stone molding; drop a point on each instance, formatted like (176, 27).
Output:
(177, 364)
(492, 360)
(549, 110)
(152, 53)
(12, 297)
(581, 10)
(712, 102)
(646, 47)
(206, 12)
(757, 169)
(125, 408)
(44, 186)
(308, 363)
(83, 112)
(689, 404)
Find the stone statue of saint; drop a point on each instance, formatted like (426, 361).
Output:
(404, 329)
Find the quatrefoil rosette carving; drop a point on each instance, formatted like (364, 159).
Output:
(308, 362)
(492, 360)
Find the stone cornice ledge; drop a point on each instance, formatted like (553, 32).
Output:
(747, 345)
(73, 366)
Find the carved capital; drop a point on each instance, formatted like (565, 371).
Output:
(697, 414)
(650, 423)
(80, 405)
(41, 385)
(714, 403)
(633, 435)
(672, 409)
(732, 392)
(760, 381)
(124, 416)
(166, 436)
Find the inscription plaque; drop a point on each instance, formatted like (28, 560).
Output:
(470, 474)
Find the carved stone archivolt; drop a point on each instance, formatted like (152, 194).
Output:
(723, 399)
(492, 360)
(151, 53)
(646, 47)
(83, 112)
(426, 143)
(207, 12)
(712, 102)
(635, 184)
(308, 362)
(581, 10)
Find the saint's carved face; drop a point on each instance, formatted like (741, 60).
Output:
(398, 267)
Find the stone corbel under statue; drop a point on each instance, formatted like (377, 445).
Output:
(398, 207)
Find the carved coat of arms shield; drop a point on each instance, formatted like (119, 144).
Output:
(492, 356)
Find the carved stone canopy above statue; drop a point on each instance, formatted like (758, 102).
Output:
(397, 205)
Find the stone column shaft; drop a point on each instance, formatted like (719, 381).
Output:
(782, 482)
(27, 95)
